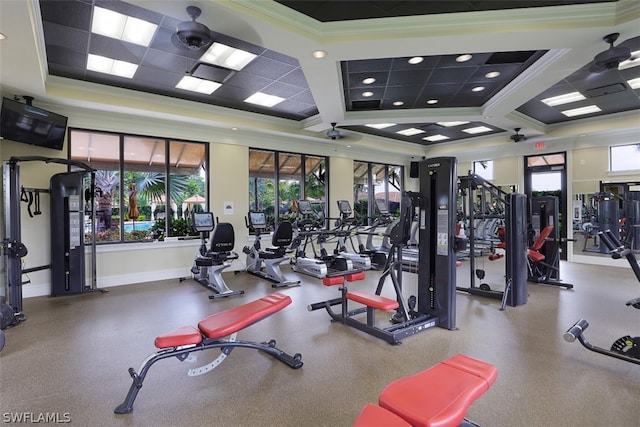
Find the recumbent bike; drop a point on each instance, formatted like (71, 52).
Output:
(210, 262)
(266, 264)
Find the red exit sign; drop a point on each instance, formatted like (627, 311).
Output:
(539, 145)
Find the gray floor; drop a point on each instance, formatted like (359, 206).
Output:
(71, 357)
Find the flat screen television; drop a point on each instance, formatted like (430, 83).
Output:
(31, 125)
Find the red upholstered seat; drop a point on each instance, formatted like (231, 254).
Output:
(373, 300)
(229, 321)
(185, 335)
(331, 281)
(375, 416)
(441, 395)
(355, 276)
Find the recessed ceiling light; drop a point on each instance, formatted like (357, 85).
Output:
(195, 84)
(263, 99)
(463, 58)
(477, 129)
(477, 89)
(416, 60)
(634, 83)
(234, 128)
(492, 74)
(367, 94)
(563, 99)
(633, 61)
(432, 101)
(318, 54)
(582, 110)
(368, 80)
(102, 64)
(435, 138)
(380, 125)
(398, 103)
(451, 124)
(2, 36)
(410, 131)
(122, 27)
(227, 56)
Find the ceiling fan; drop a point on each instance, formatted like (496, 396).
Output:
(334, 133)
(517, 137)
(192, 35)
(612, 57)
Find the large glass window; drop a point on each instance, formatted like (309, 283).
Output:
(145, 187)
(375, 181)
(484, 169)
(624, 157)
(298, 176)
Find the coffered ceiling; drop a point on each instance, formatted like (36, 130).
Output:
(392, 70)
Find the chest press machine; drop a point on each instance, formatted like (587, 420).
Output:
(435, 303)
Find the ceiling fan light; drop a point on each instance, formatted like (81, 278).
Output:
(194, 35)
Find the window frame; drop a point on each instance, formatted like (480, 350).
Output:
(123, 169)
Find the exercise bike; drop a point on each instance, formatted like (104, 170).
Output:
(266, 264)
(210, 262)
(625, 348)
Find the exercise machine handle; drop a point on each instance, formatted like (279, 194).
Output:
(576, 330)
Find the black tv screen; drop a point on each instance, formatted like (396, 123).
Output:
(31, 125)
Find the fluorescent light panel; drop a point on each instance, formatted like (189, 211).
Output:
(581, 111)
(102, 64)
(634, 83)
(227, 56)
(563, 99)
(451, 124)
(263, 99)
(634, 61)
(476, 130)
(410, 131)
(435, 138)
(381, 125)
(122, 27)
(195, 84)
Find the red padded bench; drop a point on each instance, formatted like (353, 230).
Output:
(437, 397)
(372, 301)
(210, 333)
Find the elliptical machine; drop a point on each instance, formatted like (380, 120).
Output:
(210, 262)
(266, 264)
(625, 348)
(345, 226)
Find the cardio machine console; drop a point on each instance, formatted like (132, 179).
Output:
(345, 207)
(258, 219)
(304, 206)
(202, 221)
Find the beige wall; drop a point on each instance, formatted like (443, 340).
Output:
(590, 166)
(340, 183)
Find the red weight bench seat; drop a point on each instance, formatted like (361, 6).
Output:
(437, 397)
(212, 332)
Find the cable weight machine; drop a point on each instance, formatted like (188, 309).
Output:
(67, 193)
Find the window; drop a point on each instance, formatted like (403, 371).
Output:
(484, 169)
(298, 176)
(145, 186)
(624, 157)
(375, 181)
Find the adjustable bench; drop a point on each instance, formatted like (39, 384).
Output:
(210, 333)
(437, 397)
